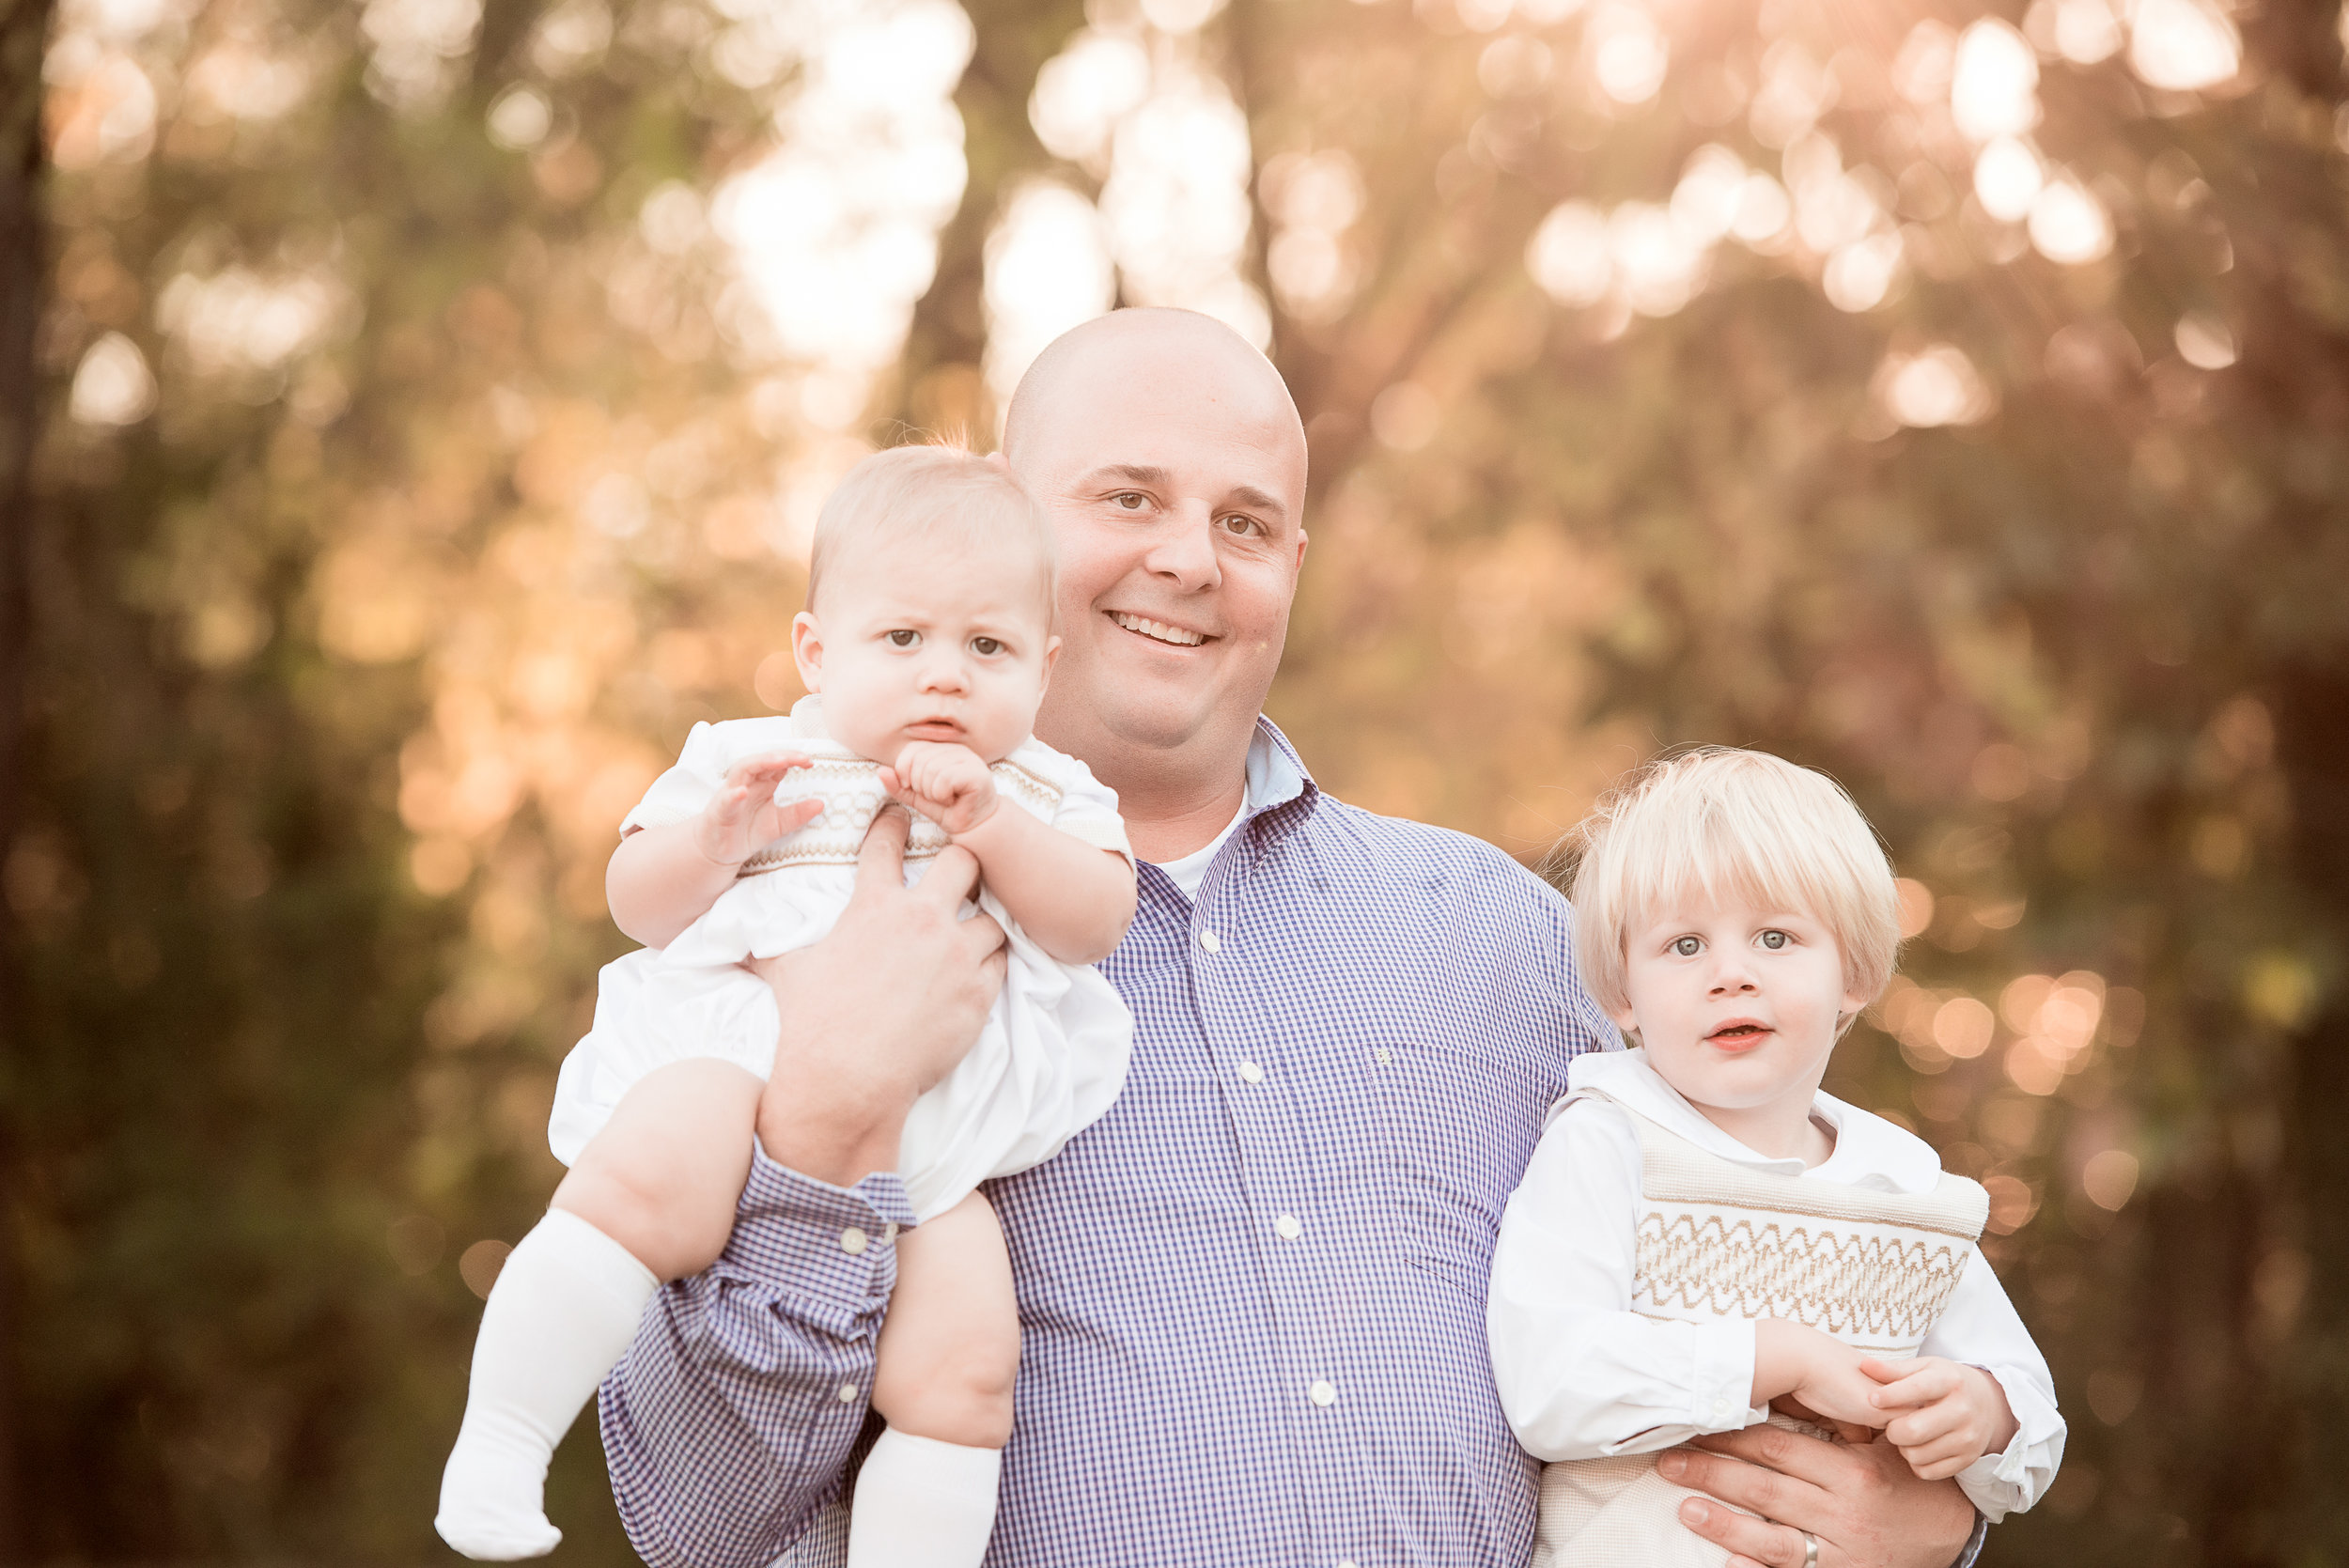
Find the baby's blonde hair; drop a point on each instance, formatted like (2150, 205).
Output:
(924, 494)
(1720, 822)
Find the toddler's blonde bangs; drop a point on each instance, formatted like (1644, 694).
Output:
(1729, 825)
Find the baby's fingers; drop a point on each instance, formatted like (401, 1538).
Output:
(1939, 1460)
(1917, 1383)
(1919, 1428)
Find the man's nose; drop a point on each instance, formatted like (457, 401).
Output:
(1184, 550)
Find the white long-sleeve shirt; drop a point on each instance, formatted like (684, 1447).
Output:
(1582, 1375)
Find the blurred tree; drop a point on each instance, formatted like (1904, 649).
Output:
(23, 31)
(438, 395)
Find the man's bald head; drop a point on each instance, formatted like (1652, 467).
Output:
(1137, 341)
(1169, 459)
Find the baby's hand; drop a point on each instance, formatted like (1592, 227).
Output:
(945, 782)
(744, 816)
(1943, 1415)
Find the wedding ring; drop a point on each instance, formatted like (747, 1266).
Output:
(1809, 1549)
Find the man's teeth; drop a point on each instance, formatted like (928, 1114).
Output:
(1157, 630)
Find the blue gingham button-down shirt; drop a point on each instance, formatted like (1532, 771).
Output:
(1252, 1296)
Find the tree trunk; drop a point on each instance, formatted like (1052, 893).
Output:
(23, 34)
(2312, 745)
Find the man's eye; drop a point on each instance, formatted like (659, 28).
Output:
(903, 639)
(1239, 522)
(1688, 947)
(985, 648)
(1130, 501)
(1775, 940)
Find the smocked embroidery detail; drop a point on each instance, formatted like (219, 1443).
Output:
(1889, 1288)
(850, 790)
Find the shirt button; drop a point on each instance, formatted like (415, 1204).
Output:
(1252, 1073)
(890, 1231)
(1386, 1057)
(1721, 1409)
(1209, 940)
(854, 1241)
(1289, 1228)
(848, 1393)
(1323, 1392)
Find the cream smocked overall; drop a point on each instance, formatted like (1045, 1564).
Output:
(1720, 1240)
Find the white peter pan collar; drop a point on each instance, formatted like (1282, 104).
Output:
(1869, 1150)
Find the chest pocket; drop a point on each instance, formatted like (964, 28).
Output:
(1457, 1126)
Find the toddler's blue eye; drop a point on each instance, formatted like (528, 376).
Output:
(1688, 947)
(1774, 940)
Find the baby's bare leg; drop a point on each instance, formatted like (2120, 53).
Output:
(664, 1174)
(651, 1197)
(950, 1347)
(948, 1355)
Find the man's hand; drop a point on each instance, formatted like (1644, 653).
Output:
(744, 816)
(946, 782)
(1944, 1415)
(877, 1011)
(1862, 1504)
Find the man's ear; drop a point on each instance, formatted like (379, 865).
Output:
(807, 649)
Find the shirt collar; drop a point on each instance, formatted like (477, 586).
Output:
(1869, 1150)
(1278, 782)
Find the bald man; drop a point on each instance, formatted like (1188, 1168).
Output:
(1252, 1295)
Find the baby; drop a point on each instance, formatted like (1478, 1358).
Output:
(929, 638)
(1702, 1232)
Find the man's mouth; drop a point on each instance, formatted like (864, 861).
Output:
(1158, 631)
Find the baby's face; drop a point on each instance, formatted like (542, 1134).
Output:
(1737, 1005)
(947, 644)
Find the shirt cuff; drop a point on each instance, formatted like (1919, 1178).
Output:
(820, 1244)
(1722, 1380)
(2013, 1479)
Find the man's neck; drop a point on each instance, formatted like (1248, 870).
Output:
(1175, 800)
(1171, 832)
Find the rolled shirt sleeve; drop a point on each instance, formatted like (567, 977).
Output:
(1581, 1374)
(730, 1420)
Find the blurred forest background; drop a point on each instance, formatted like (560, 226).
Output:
(412, 413)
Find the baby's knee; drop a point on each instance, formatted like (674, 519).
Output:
(955, 1390)
(630, 1196)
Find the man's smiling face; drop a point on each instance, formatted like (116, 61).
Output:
(1168, 456)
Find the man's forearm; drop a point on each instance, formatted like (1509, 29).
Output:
(732, 1418)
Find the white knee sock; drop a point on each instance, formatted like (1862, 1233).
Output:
(921, 1503)
(563, 1311)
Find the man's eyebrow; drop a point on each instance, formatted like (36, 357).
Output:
(1259, 500)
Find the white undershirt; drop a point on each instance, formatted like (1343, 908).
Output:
(1191, 870)
(1271, 779)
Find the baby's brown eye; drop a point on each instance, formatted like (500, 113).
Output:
(904, 639)
(985, 648)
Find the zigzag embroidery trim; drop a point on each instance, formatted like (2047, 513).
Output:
(850, 788)
(1882, 1286)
